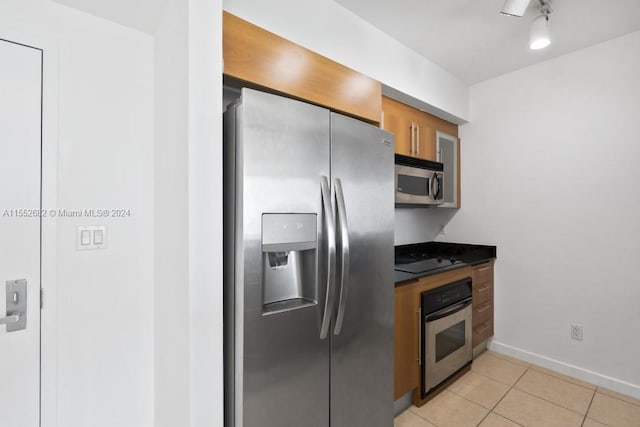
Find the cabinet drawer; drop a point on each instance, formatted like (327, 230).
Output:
(483, 272)
(481, 293)
(482, 313)
(482, 332)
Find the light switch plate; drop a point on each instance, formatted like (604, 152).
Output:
(90, 237)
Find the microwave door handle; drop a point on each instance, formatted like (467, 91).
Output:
(331, 256)
(344, 243)
(436, 186)
(447, 311)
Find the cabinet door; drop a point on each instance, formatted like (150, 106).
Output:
(406, 340)
(424, 137)
(448, 153)
(406, 337)
(396, 120)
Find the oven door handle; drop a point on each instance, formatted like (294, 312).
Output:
(447, 311)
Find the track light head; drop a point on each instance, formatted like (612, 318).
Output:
(540, 36)
(515, 7)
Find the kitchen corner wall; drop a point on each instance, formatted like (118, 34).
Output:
(104, 337)
(551, 176)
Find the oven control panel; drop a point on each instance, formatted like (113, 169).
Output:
(439, 298)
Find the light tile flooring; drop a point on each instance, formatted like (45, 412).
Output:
(501, 391)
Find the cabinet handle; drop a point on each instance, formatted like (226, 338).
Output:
(412, 150)
(484, 269)
(483, 309)
(420, 336)
(482, 330)
(418, 139)
(484, 288)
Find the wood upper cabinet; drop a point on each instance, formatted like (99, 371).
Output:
(425, 136)
(414, 135)
(415, 130)
(270, 62)
(448, 153)
(482, 317)
(396, 118)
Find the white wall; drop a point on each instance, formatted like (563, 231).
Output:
(205, 213)
(104, 298)
(416, 225)
(550, 175)
(171, 200)
(331, 30)
(188, 215)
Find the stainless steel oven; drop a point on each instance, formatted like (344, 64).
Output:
(446, 333)
(418, 181)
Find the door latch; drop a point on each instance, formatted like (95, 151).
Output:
(16, 317)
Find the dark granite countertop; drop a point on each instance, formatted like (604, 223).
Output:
(467, 253)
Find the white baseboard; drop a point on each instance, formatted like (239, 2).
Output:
(614, 384)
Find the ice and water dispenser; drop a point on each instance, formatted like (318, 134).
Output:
(289, 245)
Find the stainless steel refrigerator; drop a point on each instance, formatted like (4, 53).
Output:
(309, 207)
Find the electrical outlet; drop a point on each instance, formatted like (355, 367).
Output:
(576, 332)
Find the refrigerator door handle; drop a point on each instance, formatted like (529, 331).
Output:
(331, 256)
(344, 240)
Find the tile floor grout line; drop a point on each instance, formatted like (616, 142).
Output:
(548, 401)
(492, 378)
(531, 367)
(562, 379)
(483, 418)
(617, 398)
(507, 418)
(589, 407)
(501, 357)
(506, 360)
(560, 375)
(483, 407)
(504, 395)
(466, 398)
(418, 415)
(500, 382)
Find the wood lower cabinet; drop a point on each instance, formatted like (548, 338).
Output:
(482, 323)
(414, 130)
(406, 349)
(407, 321)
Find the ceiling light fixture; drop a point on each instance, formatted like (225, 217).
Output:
(515, 7)
(540, 36)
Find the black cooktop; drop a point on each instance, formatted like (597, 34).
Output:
(422, 263)
(417, 260)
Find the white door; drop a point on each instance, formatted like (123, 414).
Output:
(20, 154)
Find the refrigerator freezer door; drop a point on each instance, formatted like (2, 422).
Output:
(362, 351)
(280, 363)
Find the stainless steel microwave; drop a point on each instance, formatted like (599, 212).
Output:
(418, 182)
